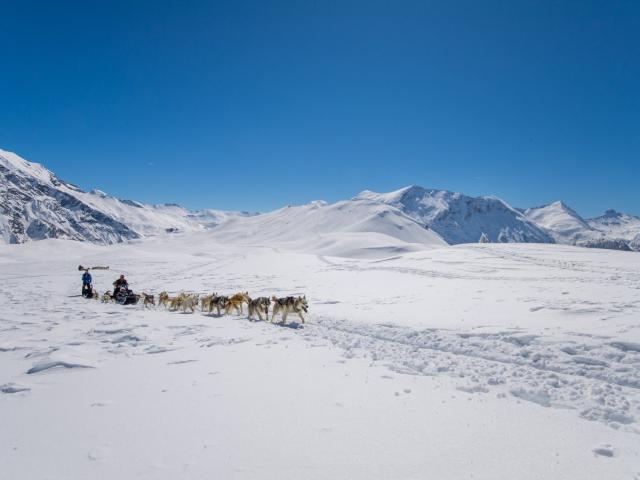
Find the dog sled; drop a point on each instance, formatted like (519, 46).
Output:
(125, 297)
(88, 292)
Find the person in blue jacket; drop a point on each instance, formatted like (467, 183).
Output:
(87, 290)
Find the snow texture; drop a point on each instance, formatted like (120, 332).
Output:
(448, 362)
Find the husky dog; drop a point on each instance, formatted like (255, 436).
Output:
(259, 306)
(106, 297)
(95, 295)
(176, 302)
(236, 302)
(219, 302)
(163, 299)
(190, 302)
(205, 301)
(288, 305)
(148, 300)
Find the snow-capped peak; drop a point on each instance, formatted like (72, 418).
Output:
(18, 165)
(317, 203)
(562, 222)
(611, 213)
(618, 225)
(35, 204)
(390, 197)
(459, 218)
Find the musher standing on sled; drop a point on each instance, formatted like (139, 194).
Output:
(87, 290)
(122, 294)
(120, 283)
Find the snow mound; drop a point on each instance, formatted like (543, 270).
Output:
(357, 227)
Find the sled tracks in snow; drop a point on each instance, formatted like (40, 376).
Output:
(597, 377)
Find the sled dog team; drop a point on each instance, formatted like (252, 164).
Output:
(222, 303)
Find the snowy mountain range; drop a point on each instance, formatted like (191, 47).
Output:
(35, 204)
(613, 230)
(458, 218)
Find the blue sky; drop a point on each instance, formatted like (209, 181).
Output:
(252, 105)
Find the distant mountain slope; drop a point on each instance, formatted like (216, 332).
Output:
(616, 224)
(35, 204)
(612, 230)
(346, 228)
(458, 218)
(563, 223)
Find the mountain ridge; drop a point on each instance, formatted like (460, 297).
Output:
(460, 218)
(36, 204)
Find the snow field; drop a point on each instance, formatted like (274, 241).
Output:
(496, 361)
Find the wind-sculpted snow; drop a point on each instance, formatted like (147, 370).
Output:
(41, 367)
(13, 388)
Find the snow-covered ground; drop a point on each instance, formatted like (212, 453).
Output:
(496, 361)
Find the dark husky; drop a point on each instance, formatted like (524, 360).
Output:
(219, 302)
(288, 305)
(259, 305)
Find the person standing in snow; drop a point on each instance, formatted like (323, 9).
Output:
(87, 290)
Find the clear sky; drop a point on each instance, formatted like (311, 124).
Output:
(255, 104)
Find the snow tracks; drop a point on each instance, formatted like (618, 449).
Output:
(598, 378)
